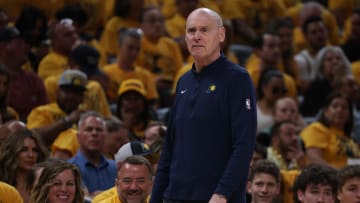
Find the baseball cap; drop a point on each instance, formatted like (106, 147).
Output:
(73, 78)
(132, 85)
(85, 56)
(9, 33)
(132, 148)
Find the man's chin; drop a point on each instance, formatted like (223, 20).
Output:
(135, 200)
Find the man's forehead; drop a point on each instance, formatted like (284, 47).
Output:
(200, 19)
(319, 186)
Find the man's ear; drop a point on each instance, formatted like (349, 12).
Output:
(300, 195)
(222, 34)
(248, 186)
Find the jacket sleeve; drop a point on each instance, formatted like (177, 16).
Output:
(242, 108)
(162, 172)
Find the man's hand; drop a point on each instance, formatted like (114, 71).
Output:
(217, 198)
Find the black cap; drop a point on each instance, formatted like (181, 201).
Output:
(85, 56)
(9, 33)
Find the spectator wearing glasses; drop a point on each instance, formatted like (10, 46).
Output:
(271, 87)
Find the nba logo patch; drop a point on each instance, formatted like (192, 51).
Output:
(247, 104)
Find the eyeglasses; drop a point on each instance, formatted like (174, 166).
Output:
(279, 90)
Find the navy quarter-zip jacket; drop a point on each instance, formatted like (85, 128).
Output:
(211, 136)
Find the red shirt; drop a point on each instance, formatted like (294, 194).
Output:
(26, 91)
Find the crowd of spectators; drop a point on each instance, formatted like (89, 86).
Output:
(85, 82)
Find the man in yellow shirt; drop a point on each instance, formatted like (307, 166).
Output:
(301, 12)
(250, 17)
(176, 24)
(52, 119)
(267, 48)
(159, 54)
(63, 37)
(129, 46)
(126, 15)
(133, 183)
(84, 58)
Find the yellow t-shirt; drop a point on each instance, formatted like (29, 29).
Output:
(299, 39)
(168, 7)
(290, 3)
(163, 59)
(287, 181)
(345, 6)
(44, 115)
(48, 114)
(253, 62)
(355, 70)
(12, 8)
(290, 83)
(274, 156)
(176, 26)
(257, 14)
(110, 35)
(66, 141)
(117, 75)
(52, 64)
(94, 98)
(333, 143)
(112, 192)
(9, 194)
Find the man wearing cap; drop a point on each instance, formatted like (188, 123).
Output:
(132, 149)
(26, 90)
(83, 58)
(52, 119)
(63, 37)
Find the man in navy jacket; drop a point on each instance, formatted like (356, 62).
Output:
(212, 127)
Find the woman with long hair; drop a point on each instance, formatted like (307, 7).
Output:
(60, 182)
(18, 153)
(328, 140)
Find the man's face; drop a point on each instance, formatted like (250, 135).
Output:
(270, 51)
(203, 36)
(65, 36)
(69, 98)
(114, 140)
(91, 134)
(316, 35)
(263, 188)
(133, 183)
(288, 136)
(152, 24)
(17, 50)
(350, 191)
(286, 38)
(130, 49)
(316, 194)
